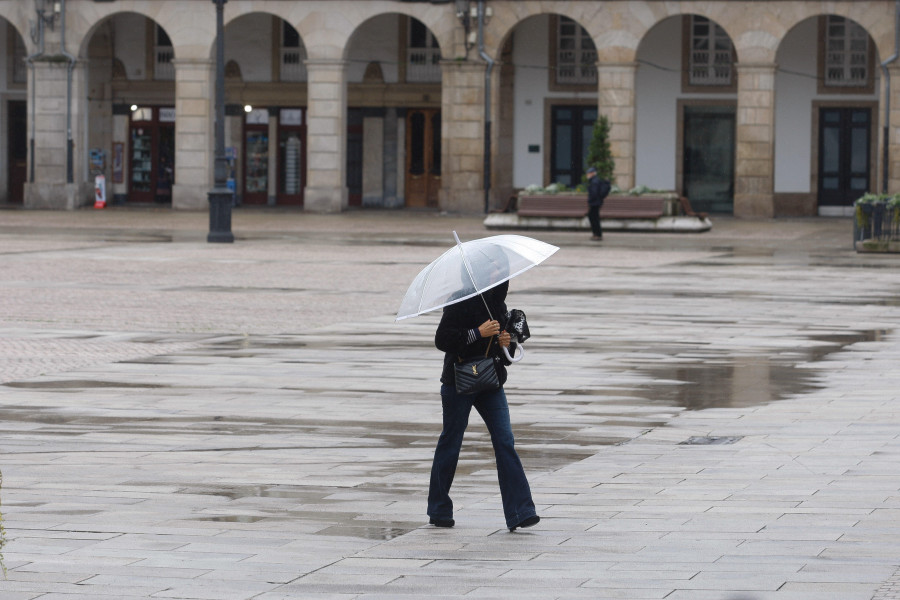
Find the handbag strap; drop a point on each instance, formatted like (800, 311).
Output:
(488, 349)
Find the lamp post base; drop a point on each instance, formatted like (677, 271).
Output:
(220, 201)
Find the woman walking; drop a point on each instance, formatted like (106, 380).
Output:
(467, 330)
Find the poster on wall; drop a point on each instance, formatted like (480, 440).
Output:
(118, 161)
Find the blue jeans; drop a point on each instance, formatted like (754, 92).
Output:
(491, 405)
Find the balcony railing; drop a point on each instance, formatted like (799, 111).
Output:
(164, 70)
(292, 67)
(575, 67)
(423, 65)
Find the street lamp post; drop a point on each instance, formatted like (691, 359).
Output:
(220, 198)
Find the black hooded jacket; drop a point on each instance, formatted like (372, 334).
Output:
(452, 336)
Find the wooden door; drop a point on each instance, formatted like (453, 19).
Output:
(423, 157)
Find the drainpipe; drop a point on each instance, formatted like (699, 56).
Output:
(487, 106)
(887, 98)
(30, 59)
(71, 59)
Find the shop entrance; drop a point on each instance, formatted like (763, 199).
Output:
(423, 157)
(256, 157)
(291, 156)
(152, 155)
(17, 151)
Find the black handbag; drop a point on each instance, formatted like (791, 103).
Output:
(476, 374)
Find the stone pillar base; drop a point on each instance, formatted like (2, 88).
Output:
(190, 197)
(325, 200)
(462, 201)
(58, 196)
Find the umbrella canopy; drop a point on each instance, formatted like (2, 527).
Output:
(471, 268)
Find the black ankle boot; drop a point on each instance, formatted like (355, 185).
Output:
(442, 522)
(529, 522)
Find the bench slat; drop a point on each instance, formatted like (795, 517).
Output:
(614, 207)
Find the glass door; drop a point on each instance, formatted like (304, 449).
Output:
(708, 167)
(291, 157)
(844, 148)
(152, 155)
(141, 164)
(256, 165)
(572, 127)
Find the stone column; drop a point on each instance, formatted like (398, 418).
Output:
(194, 116)
(462, 137)
(326, 140)
(47, 131)
(615, 99)
(373, 159)
(390, 176)
(754, 171)
(272, 184)
(893, 142)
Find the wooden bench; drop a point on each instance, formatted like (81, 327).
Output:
(576, 206)
(686, 209)
(633, 207)
(561, 205)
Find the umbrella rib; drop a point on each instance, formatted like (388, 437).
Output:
(472, 277)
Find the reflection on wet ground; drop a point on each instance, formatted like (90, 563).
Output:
(668, 377)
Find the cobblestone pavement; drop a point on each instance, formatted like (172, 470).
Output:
(703, 417)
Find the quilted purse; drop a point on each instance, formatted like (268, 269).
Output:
(476, 374)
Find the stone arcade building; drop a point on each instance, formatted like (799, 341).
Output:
(751, 107)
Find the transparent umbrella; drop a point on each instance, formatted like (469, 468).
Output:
(471, 268)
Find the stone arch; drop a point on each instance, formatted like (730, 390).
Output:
(102, 41)
(668, 87)
(534, 67)
(383, 49)
(502, 24)
(801, 94)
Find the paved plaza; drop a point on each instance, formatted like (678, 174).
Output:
(702, 416)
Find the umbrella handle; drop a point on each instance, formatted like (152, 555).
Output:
(517, 358)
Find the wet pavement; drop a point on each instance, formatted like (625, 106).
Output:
(702, 416)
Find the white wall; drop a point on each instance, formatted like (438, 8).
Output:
(657, 88)
(794, 93)
(130, 41)
(796, 89)
(248, 42)
(531, 90)
(376, 40)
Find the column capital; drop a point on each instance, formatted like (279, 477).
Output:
(192, 62)
(617, 66)
(325, 63)
(756, 66)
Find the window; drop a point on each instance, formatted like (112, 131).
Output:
(846, 53)
(575, 55)
(423, 54)
(163, 69)
(19, 70)
(292, 54)
(711, 54)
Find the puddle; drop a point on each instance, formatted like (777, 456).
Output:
(368, 533)
(234, 519)
(78, 384)
(740, 382)
(691, 376)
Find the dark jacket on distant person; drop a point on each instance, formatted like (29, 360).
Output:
(598, 190)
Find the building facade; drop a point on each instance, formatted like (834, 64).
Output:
(756, 108)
